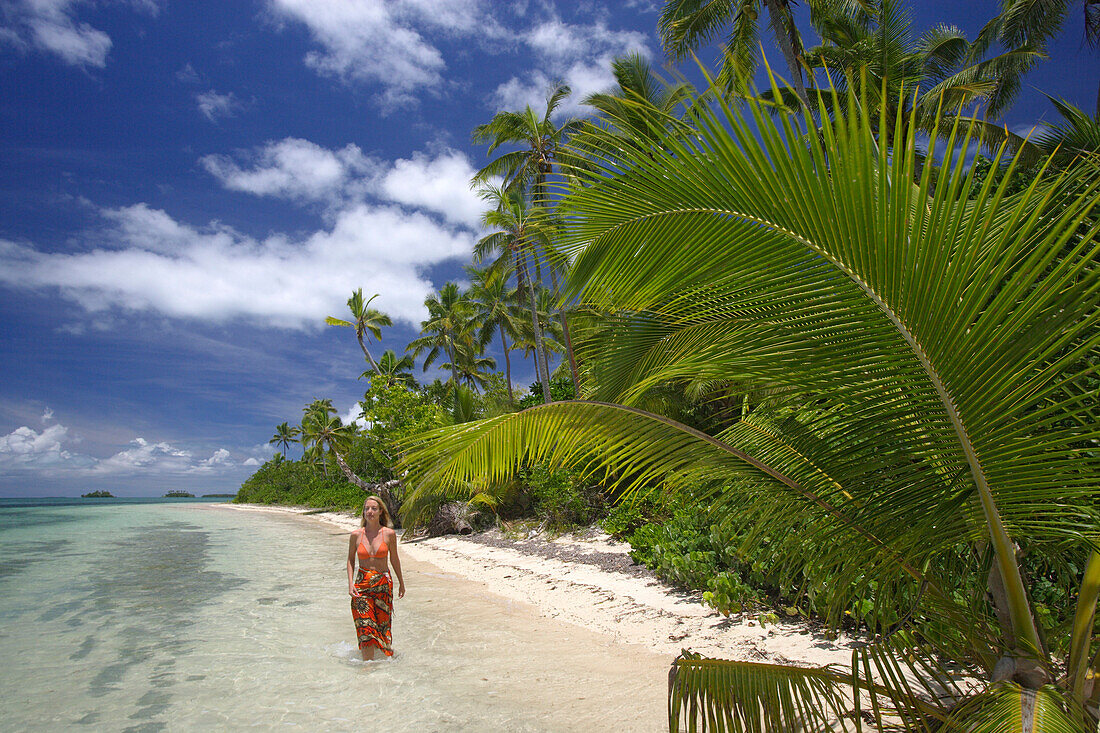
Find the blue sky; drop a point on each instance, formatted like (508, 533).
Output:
(188, 188)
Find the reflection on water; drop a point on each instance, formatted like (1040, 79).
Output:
(184, 617)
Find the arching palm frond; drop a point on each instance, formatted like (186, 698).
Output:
(940, 328)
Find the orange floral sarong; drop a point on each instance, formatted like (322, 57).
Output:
(371, 610)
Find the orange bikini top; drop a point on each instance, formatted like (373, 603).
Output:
(364, 551)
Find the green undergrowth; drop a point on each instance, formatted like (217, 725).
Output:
(684, 543)
(293, 483)
(687, 545)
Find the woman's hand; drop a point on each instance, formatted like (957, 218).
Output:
(352, 591)
(401, 589)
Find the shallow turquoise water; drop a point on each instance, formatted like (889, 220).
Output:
(189, 616)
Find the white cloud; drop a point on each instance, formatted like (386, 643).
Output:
(214, 106)
(304, 171)
(353, 415)
(578, 55)
(216, 274)
(385, 41)
(291, 168)
(52, 26)
(25, 449)
(47, 415)
(440, 184)
(219, 459)
(145, 456)
(251, 462)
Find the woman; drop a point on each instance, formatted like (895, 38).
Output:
(375, 545)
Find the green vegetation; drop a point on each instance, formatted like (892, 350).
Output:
(176, 494)
(100, 494)
(813, 360)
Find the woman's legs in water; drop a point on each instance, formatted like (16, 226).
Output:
(367, 652)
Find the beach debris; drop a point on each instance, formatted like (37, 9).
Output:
(451, 518)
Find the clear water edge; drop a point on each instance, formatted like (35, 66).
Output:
(186, 616)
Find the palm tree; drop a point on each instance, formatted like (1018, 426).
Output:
(365, 320)
(472, 367)
(1076, 135)
(945, 338)
(628, 115)
(392, 370)
(447, 329)
(317, 424)
(686, 25)
(540, 141)
(874, 56)
(520, 230)
(325, 432)
(1031, 24)
(495, 308)
(284, 436)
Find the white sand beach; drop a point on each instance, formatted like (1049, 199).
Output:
(568, 579)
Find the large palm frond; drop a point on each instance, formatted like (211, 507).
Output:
(938, 331)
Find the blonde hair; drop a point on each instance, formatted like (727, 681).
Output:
(383, 512)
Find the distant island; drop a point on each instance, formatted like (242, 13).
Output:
(179, 495)
(218, 496)
(98, 495)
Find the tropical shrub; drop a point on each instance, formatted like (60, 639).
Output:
(294, 483)
(560, 389)
(560, 498)
(942, 335)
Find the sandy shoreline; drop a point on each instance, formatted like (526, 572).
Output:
(590, 582)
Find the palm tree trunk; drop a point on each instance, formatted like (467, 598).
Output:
(507, 364)
(454, 372)
(568, 340)
(778, 11)
(540, 366)
(370, 359)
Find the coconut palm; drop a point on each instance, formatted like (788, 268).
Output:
(1031, 24)
(687, 25)
(317, 416)
(448, 329)
(875, 57)
(496, 308)
(1075, 135)
(365, 320)
(326, 434)
(540, 141)
(639, 103)
(473, 369)
(521, 231)
(943, 338)
(392, 370)
(284, 436)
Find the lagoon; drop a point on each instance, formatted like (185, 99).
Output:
(150, 615)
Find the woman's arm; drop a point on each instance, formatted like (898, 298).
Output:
(351, 563)
(396, 562)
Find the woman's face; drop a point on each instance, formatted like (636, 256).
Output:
(371, 510)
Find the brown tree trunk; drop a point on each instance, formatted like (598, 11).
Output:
(383, 488)
(507, 364)
(363, 346)
(778, 12)
(540, 356)
(568, 340)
